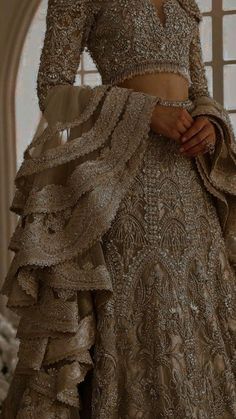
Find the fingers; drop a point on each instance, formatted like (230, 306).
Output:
(172, 122)
(188, 124)
(188, 117)
(196, 139)
(200, 148)
(195, 143)
(195, 128)
(182, 127)
(184, 122)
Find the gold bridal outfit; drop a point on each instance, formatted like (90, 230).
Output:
(124, 272)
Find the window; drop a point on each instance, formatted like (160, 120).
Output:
(219, 52)
(87, 72)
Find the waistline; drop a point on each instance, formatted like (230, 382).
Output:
(186, 104)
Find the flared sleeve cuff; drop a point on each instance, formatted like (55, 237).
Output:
(219, 170)
(222, 171)
(86, 150)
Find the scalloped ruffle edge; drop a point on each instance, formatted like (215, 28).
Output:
(84, 155)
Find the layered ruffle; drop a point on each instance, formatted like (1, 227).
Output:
(84, 155)
(86, 150)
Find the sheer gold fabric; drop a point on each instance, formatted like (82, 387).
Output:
(102, 284)
(75, 172)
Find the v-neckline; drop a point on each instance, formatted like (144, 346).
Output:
(157, 14)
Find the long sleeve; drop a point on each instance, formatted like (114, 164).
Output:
(205, 104)
(68, 24)
(199, 93)
(199, 85)
(219, 172)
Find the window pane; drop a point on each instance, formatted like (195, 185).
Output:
(209, 74)
(206, 38)
(229, 5)
(205, 5)
(92, 79)
(78, 80)
(88, 62)
(230, 86)
(233, 120)
(229, 24)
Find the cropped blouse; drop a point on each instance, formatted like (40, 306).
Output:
(124, 38)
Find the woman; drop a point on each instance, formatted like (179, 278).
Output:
(124, 273)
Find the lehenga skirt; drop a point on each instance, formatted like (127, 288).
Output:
(121, 273)
(174, 352)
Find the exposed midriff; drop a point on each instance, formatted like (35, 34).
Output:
(170, 86)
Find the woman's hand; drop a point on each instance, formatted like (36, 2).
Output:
(171, 121)
(193, 141)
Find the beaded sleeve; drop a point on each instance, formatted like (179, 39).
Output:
(219, 171)
(199, 86)
(68, 24)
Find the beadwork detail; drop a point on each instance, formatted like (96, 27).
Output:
(174, 305)
(124, 38)
(122, 245)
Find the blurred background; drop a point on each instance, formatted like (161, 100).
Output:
(22, 28)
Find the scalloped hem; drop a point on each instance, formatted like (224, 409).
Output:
(75, 173)
(58, 279)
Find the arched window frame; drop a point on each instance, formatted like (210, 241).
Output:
(215, 14)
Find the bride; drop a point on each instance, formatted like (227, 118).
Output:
(124, 267)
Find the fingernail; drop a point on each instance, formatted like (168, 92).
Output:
(181, 149)
(184, 139)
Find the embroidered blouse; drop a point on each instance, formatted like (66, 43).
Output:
(124, 38)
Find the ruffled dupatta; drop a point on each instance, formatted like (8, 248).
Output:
(84, 155)
(219, 173)
(86, 150)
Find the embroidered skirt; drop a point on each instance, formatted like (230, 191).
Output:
(166, 341)
(123, 268)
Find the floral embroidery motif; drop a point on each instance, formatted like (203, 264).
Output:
(135, 42)
(174, 307)
(160, 291)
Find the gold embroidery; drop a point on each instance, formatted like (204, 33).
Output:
(119, 245)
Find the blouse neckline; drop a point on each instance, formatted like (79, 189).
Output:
(165, 5)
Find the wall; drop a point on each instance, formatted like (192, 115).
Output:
(15, 20)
